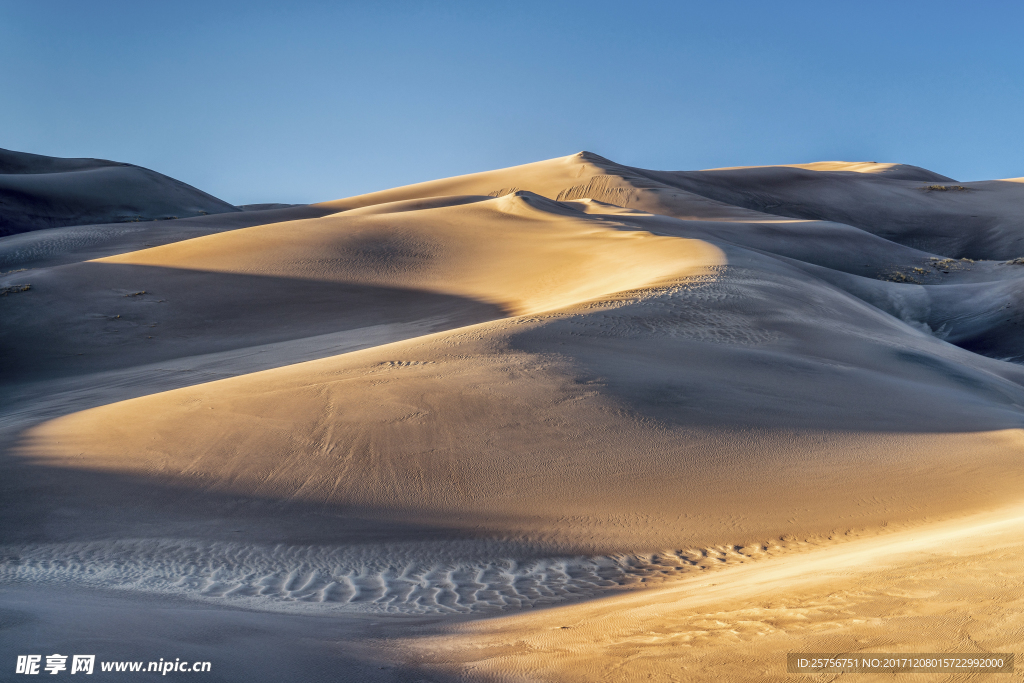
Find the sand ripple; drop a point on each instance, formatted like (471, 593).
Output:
(407, 578)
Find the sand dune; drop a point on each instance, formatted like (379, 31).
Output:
(580, 176)
(959, 220)
(39, 192)
(566, 382)
(45, 248)
(891, 171)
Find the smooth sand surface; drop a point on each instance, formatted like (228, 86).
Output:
(38, 192)
(565, 421)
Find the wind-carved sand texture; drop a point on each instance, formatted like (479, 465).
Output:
(695, 416)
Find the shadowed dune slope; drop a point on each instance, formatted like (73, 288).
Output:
(978, 220)
(50, 247)
(269, 283)
(39, 192)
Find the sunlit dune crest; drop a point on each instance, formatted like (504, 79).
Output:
(893, 171)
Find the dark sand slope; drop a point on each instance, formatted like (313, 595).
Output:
(77, 243)
(543, 386)
(39, 192)
(978, 220)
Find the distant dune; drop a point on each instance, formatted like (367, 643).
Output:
(534, 386)
(39, 192)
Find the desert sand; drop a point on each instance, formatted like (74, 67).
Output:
(39, 192)
(568, 421)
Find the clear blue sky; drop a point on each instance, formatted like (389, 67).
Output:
(308, 101)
